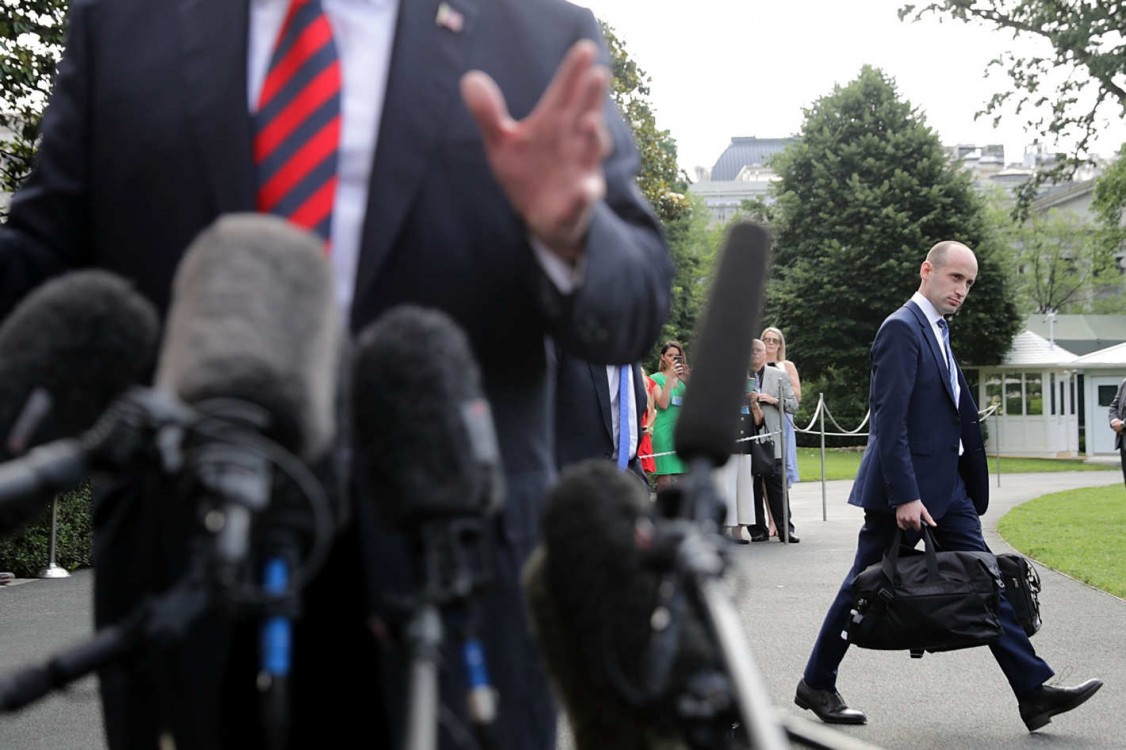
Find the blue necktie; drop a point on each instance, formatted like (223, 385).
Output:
(623, 416)
(951, 373)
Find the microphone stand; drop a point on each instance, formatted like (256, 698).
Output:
(698, 558)
(449, 547)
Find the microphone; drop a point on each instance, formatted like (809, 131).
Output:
(709, 419)
(629, 656)
(253, 345)
(254, 327)
(422, 423)
(425, 431)
(69, 349)
(66, 352)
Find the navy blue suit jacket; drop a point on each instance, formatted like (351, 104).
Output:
(583, 421)
(912, 450)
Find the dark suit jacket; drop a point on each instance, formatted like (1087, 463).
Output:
(1118, 411)
(912, 450)
(147, 140)
(583, 426)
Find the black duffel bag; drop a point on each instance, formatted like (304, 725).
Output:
(926, 601)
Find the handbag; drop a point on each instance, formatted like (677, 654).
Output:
(1022, 589)
(762, 454)
(928, 601)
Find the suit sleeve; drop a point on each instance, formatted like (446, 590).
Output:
(895, 363)
(48, 227)
(1116, 403)
(616, 312)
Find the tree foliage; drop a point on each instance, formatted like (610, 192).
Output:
(660, 179)
(662, 182)
(1064, 262)
(861, 198)
(31, 40)
(1065, 94)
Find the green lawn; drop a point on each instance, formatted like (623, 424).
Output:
(842, 464)
(1079, 532)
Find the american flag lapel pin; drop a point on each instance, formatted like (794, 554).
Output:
(448, 18)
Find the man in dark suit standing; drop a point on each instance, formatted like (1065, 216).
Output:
(588, 411)
(481, 170)
(1117, 417)
(925, 463)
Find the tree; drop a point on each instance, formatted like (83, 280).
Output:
(861, 198)
(660, 179)
(662, 182)
(1064, 263)
(31, 41)
(1066, 94)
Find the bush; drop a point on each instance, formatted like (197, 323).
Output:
(28, 553)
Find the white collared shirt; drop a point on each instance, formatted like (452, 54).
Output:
(933, 316)
(364, 31)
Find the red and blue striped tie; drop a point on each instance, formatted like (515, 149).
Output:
(297, 124)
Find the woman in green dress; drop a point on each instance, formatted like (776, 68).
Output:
(668, 394)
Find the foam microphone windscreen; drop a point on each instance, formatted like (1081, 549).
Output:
(254, 320)
(709, 419)
(424, 429)
(82, 338)
(594, 598)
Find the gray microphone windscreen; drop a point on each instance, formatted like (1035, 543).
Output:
(254, 319)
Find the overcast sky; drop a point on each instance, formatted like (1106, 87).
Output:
(724, 68)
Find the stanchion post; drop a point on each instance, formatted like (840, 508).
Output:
(997, 452)
(824, 499)
(52, 570)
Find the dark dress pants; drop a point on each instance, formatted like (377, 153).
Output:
(1122, 456)
(959, 529)
(774, 495)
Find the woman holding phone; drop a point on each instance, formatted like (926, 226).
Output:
(668, 395)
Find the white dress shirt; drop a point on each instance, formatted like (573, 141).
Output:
(364, 31)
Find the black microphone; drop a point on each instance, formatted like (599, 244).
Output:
(78, 341)
(66, 352)
(709, 419)
(425, 433)
(423, 425)
(628, 654)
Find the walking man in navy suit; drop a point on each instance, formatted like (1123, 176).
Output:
(925, 463)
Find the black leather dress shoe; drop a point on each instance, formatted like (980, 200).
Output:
(1038, 708)
(759, 537)
(792, 539)
(828, 705)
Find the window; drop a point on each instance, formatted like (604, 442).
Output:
(1034, 394)
(992, 389)
(1014, 401)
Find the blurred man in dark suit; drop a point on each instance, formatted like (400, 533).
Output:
(473, 163)
(588, 412)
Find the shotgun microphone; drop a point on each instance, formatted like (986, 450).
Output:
(709, 419)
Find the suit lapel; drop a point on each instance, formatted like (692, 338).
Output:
(937, 354)
(426, 66)
(213, 39)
